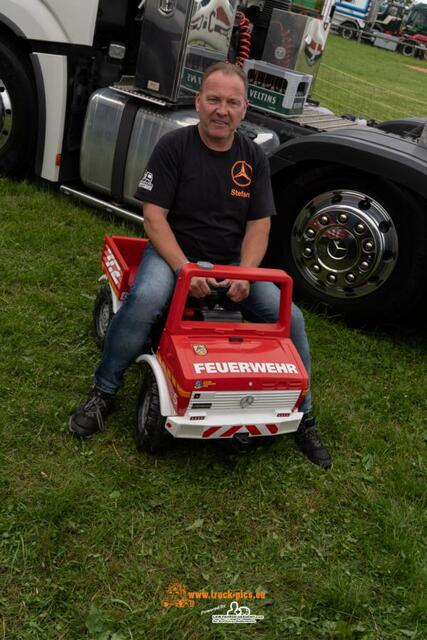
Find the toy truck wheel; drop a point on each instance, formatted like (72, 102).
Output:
(18, 110)
(150, 432)
(352, 242)
(102, 314)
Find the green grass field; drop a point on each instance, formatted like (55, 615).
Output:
(92, 534)
(371, 82)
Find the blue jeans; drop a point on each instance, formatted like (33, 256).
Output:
(148, 299)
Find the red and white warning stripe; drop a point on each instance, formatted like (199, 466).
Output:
(229, 432)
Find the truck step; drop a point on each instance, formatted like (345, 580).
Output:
(109, 207)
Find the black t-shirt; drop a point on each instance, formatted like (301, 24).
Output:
(210, 194)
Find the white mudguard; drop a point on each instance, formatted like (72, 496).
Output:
(116, 302)
(53, 70)
(166, 406)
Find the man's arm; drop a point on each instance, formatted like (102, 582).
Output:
(254, 246)
(161, 235)
(255, 242)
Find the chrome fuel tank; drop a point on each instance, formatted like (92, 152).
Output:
(120, 133)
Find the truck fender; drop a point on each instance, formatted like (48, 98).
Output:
(403, 126)
(166, 406)
(51, 82)
(366, 149)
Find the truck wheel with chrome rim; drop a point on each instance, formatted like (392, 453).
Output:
(353, 243)
(18, 110)
(150, 432)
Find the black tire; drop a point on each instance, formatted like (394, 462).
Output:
(18, 111)
(150, 432)
(407, 49)
(348, 31)
(371, 267)
(102, 314)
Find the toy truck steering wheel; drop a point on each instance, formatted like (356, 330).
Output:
(218, 295)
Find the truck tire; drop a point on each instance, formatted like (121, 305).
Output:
(407, 49)
(348, 31)
(353, 243)
(18, 111)
(102, 314)
(150, 433)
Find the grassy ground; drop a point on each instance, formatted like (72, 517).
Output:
(92, 533)
(364, 80)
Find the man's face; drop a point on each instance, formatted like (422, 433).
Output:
(221, 106)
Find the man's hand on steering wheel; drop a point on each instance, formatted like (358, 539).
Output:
(238, 290)
(201, 287)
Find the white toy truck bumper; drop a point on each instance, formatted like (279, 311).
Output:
(227, 426)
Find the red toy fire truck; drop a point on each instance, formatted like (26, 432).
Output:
(212, 375)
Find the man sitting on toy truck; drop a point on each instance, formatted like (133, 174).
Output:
(207, 196)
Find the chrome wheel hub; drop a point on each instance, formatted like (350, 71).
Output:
(344, 243)
(5, 114)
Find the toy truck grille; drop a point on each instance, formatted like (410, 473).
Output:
(213, 415)
(254, 402)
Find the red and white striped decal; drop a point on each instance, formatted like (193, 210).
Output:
(229, 432)
(112, 266)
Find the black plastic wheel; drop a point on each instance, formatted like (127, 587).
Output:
(18, 111)
(150, 432)
(353, 242)
(102, 314)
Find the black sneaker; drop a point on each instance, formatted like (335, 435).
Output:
(89, 417)
(308, 440)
